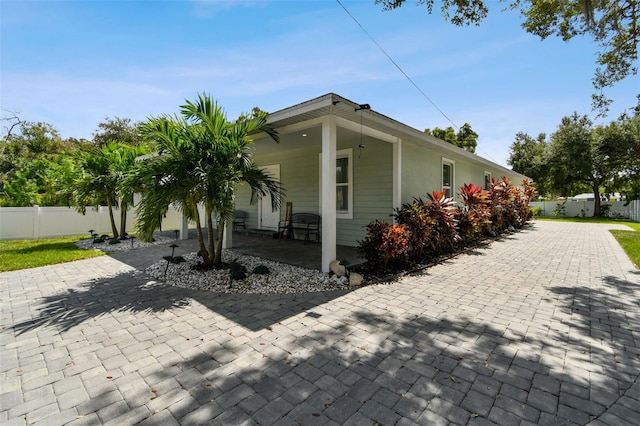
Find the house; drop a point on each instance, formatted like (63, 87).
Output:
(351, 165)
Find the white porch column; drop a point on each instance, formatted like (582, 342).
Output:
(184, 228)
(328, 196)
(397, 174)
(227, 235)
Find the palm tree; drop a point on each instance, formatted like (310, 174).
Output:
(202, 160)
(102, 180)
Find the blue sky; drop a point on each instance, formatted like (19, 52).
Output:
(72, 63)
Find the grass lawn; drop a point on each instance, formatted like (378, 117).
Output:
(628, 240)
(23, 254)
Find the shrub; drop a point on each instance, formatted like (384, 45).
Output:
(560, 210)
(419, 224)
(385, 246)
(473, 217)
(444, 214)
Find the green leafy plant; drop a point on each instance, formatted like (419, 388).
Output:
(261, 270)
(560, 210)
(237, 271)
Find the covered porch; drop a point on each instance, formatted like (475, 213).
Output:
(291, 252)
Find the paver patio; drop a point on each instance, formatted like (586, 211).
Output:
(541, 327)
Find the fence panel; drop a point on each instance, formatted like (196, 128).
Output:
(18, 223)
(585, 208)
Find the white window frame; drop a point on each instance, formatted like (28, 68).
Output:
(453, 176)
(348, 154)
(484, 182)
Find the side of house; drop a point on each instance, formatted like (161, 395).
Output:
(374, 164)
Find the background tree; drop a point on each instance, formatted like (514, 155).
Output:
(34, 165)
(619, 146)
(529, 157)
(612, 24)
(465, 138)
(202, 159)
(577, 158)
(117, 129)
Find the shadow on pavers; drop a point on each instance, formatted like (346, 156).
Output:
(428, 370)
(136, 292)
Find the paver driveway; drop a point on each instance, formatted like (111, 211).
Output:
(542, 327)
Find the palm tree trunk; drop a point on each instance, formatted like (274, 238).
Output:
(212, 247)
(203, 249)
(114, 228)
(217, 261)
(123, 217)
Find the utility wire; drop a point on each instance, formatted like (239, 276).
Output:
(397, 66)
(404, 73)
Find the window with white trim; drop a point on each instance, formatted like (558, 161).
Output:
(447, 177)
(487, 181)
(344, 183)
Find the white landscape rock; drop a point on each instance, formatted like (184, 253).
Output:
(337, 268)
(282, 279)
(124, 245)
(355, 279)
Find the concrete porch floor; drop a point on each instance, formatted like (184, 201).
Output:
(292, 252)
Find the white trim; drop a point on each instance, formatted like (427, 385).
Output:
(328, 200)
(343, 153)
(452, 186)
(368, 131)
(397, 174)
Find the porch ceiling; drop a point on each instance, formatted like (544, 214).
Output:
(296, 139)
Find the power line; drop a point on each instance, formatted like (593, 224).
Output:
(404, 73)
(397, 66)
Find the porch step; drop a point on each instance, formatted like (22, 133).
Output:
(262, 233)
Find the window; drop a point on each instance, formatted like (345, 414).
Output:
(487, 181)
(447, 177)
(344, 183)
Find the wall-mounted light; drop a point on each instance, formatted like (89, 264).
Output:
(361, 107)
(304, 135)
(361, 147)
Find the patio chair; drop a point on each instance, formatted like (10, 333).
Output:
(239, 218)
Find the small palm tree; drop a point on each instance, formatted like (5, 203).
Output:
(202, 160)
(102, 180)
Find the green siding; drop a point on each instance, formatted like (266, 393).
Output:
(372, 188)
(422, 171)
(299, 175)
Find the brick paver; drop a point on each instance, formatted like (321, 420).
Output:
(540, 327)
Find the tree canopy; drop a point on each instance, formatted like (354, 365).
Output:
(581, 156)
(465, 138)
(117, 129)
(612, 24)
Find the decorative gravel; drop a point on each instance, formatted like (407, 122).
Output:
(124, 245)
(282, 279)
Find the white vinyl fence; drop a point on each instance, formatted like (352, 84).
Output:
(21, 223)
(585, 208)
